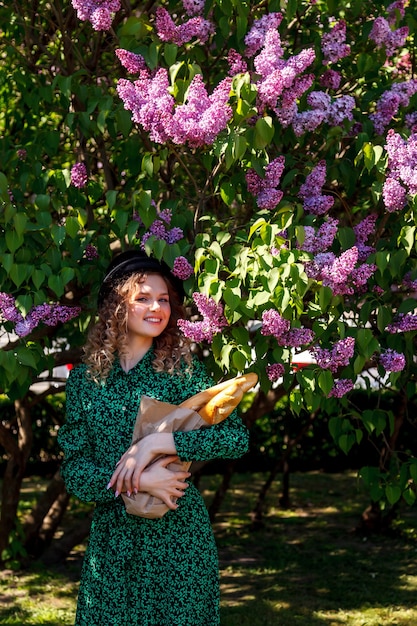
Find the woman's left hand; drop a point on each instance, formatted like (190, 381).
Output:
(126, 477)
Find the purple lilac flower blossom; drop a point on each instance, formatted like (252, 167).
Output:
(389, 103)
(340, 273)
(255, 38)
(50, 314)
(8, 309)
(324, 110)
(392, 361)
(408, 283)
(273, 85)
(310, 191)
(159, 230)
(398, 5)
(267, 196)
(134, 63)
(336, 357)
(193, 7)
(91, 252)
(383, 36)
(22, 154)
(333, 44)
(274, 324)
(195, 27)
(213, 320)
(402, 170)
(98, 12)
(236, 63)
(330, 79)
(394, 195)
(79, 175)
(150, 102)
(340, 388)
(197, 122)
(275, 371)
(280, 85)
(403, 322)
(296, 337)
(363, 230)
(321, 240)
(202, 117)
(411, 121)
(182, 268)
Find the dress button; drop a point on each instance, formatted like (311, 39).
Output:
(124, 408)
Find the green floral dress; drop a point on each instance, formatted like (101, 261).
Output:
(138, 571)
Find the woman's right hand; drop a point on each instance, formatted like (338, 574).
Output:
(163, 483)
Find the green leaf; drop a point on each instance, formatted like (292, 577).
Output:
(325, 298)
(67, 274)
(147, 164)
(170, 53)
(111, 197)
(231, 299)
(346, 442)
(325, 380)
(335, 427)
(38, 276)
(239, 147)
(18, 273)
(264, 132)
(42, 201)
(239, 361)
(413, 470)
(72, 226)
(384, 317)
(26, 357)
(256, 226)
(227, 193)
(4, 186)
(58, 234)
(20, 220)
(55, 283)
(393, 493)
(13, 240)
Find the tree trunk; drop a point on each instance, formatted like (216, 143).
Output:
(257, 511)
(59, 550)
(283, 462)
(222, 490)
(41, 523)
(18, 450)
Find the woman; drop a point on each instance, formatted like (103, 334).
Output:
(138, 571)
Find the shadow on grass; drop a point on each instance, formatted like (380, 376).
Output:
(308, 566)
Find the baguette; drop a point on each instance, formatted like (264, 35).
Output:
(217, 402)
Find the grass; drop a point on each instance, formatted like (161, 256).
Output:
(307, 567)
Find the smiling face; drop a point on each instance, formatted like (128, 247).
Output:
(148, 311)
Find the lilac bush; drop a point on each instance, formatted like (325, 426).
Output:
(265, 151)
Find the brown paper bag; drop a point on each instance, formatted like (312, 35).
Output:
(155, 416)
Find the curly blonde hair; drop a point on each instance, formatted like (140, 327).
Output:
(108, 338)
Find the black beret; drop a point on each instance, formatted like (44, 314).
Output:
(132, 261)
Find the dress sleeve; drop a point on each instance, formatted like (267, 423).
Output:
(82, 475)
(227, 440)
